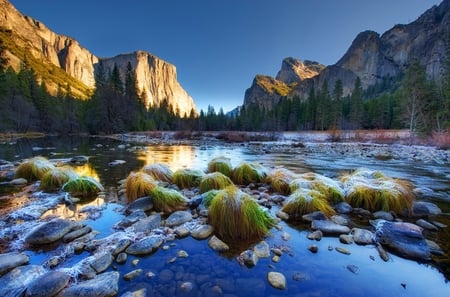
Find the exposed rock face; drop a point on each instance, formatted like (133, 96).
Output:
(267, 91)
(371, 57)
(294, 70)
(156, 79)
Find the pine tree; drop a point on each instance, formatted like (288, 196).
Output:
(355, 108)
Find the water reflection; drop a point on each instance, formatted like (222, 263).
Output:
(78, 211)
(86, 170)
(176, 157)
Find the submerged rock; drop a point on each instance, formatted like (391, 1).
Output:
(48, 284)
(49, 232)
(10, 261)
(405, 239)
(15, 282)
(143, 203)
(105, 285)
(145, 246)
(329, 227)
(362, 236)
(262, 250)
(277, 280)
(202, 232)
(218, 245)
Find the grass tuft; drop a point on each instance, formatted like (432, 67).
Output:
(187, 178)
(207, 197)
(54, 179)
(331, 189)
(214, 181)
(33, 169)
(279, 180)
(374, 191)
(304, 201)
(159, 171)
(138, 184)
(167, 200)
(84, 186)
(236, 216)
(249, 172)
(222, 165)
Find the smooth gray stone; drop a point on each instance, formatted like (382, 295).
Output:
(104, 285)
(146, 225)
(143, 203)
(145, 246)
(178, 217)
(15, 282)
(48, 284)
(10, 261)
(49, 232)
(329, 227)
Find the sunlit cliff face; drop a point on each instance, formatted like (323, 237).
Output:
(175, 157)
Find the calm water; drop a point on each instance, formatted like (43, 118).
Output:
(323, 274)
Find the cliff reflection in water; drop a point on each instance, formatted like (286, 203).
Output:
(176, 156)
(86, 170)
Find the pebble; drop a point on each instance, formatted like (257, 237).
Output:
(346, 239)
(315, 235)
(132, 274)
(277, 280)
(343, 250)
(121, 258)
(313, 248)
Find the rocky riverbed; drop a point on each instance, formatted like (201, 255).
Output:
(109, 248)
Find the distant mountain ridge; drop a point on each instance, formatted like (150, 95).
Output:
(371, 57)
(60, 60)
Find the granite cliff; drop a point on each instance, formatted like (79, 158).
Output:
(370, 57)
(60, 60)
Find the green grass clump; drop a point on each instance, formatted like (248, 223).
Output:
(84, 186)
(187, 178)
(304, 201)
(159, 171)
(237, 216)
(279, 180)
(167, 200)
(54, 179)
(375, 191)
(249, 172)
(222, 165)
(33, 169)
(138, 184)
(214, 181)
(207, 197)
(331, 189)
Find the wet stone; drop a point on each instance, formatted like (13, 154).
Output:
(362, 236)
(48, 284)
(178, 218)
(121, 258)
(15, 282)
(435, 248)
(249, 258)
(132, 274)
(146, 225)
(277, 252)
(139, 293)
(144, 246)
(121, 246)
(315, 235)
(343, 208)
(282, 215)
(79, 160)
(217, 245)
(182, 231)
(346, 239)
(131, 219)
(10, 261)
(277, 280)
(101, 262)
(343, 250)
(49, 232)
(423, 209)
(329, 227)
(426, 225)
(314, 216)
(383, 215)
(78, 247)
(313, 248)
(140, 204)
(353, 269)
(105, 284)
(202, 232)
(262, 249)
(340, 220)
(18, 182)
(77, 233)
(405, 239)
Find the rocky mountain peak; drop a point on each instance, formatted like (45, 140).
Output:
(294, 70)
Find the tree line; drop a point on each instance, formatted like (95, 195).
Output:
(412, 102)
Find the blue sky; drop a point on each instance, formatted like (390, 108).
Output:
(218, 46)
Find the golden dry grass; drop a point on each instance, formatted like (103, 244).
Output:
(167, 200)
(138, 184)
(33, 169)
(54, 179)
(236, 216)
(249, 172)
(187, 178)
(279, 180)
(221, 164)
(214, 181)
(330, 188)
(84, 186)
(159, 171)
(304, 201)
